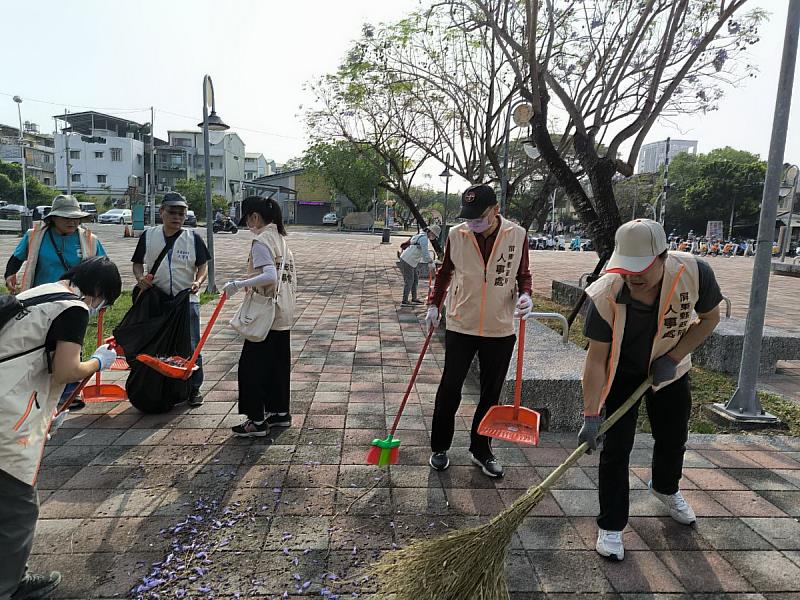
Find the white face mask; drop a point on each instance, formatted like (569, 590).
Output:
(95, 310)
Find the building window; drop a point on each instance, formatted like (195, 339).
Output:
(76, 178)
(101, 179)
(46, 181)
(139, 159)
(98, 155)
(74, 154)
(46, 159)
(116, 154)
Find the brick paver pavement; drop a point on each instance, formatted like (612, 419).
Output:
(131, 499)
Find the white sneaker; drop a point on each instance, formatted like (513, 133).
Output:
(678, 508)
(609, 544)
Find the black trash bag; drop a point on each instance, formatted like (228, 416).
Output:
(157, 325)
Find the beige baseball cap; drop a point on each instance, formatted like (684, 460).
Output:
(637, 245)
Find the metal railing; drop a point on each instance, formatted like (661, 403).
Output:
(553, 315)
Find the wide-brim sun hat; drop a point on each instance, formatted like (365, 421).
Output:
(637, 245)
(435, 230)
(67, 207)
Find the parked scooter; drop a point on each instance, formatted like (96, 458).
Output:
(225, 224)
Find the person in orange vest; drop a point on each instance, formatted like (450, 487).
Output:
(486, 268)
(52, 247)
(640, 323)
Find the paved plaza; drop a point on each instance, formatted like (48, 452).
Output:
(175, 506)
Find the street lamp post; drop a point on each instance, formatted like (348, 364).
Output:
(789, 187)
(211, 122)
(446, 175)
(18, 100)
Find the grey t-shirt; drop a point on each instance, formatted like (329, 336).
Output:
(262, 257)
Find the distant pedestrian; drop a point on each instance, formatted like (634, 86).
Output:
(265, 367)
(486, 268)
(412, 257)
(180, 258)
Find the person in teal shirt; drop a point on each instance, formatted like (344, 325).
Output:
(55, 246)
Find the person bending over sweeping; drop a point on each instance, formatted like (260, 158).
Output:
(41, 352)
(180, 258)
(487, 260)
(640, 322)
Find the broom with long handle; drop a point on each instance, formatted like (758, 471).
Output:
(469, 564)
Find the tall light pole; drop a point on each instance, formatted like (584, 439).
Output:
(211, 122)
(744, 408)
(446, 175)
(18, 100)
(789, 188)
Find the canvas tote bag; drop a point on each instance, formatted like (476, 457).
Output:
(254, 318)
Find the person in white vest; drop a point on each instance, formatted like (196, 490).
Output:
(41, 352)
(51, 248)
(648, 312)
(183, 265)
(485, 266)
(417, 253)
(265, 367)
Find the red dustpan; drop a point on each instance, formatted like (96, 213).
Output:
(178, 367)
(513, 423)
(104, 392)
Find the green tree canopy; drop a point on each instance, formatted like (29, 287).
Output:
(11, 186)
(194, 190)
(345, 169)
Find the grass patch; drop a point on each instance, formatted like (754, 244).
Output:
(708, 387)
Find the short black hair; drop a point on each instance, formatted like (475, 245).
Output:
(268, 208)
(96, 276)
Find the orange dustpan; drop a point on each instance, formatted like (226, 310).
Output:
(104, 392)
(513, 423)
(178, 367)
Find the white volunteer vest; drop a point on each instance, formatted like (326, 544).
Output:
(177, 270)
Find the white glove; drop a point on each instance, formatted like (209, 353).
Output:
(230, 288)
(433, 317)
(106, 356)
(524, 305)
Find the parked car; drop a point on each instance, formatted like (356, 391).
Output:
(89, 207)
(330, 219)
(191, 219)
(116, 215)
(40, 212)
(11, 211)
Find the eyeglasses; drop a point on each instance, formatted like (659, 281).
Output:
(176, 213)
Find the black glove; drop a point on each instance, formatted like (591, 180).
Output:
(663, 369)
(589, 431)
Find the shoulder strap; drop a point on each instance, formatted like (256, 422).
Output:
(58, 250)
(159, 258)
(45, 298)
(280, 271)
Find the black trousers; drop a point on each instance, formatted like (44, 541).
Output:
(668, 411)
(264, 373)
(19, 510)
(494, 354)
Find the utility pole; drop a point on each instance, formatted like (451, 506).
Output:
(666, 184)
(66, 155)
(151, 189)
(18, 100)
(744, 408)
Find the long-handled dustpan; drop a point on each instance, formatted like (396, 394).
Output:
(179, 367)
(99, 391)
(513, 423)
(385, 451)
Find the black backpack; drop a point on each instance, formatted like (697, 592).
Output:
(11, 306)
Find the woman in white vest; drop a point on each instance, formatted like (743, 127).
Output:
(485, 266)
(41, 353)
(648, 312)
(265, 367)
(183, 265)
(417, 253)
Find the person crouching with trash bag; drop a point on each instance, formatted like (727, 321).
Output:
(486, 267)
(40, 352)
(641, 323)
(265, 363)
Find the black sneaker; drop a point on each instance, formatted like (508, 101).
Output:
(280, 420)
(406, 303)
(34, 587)
(250, 429)
(439, 461)
(489, 465)
(415, 301)
(195, 398)
(77, 404)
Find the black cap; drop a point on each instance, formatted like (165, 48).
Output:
(254, 204)
(174, 199)
(475, 200)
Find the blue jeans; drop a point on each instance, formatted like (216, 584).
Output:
(66, 393)
(194, 334)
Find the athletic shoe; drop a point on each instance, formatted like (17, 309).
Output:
(609, 544)
(415, 301)
(439, 461)
(678, 508)
(280, 420)
(195, 398)
(406, 303)
(35, 587)
(489, 465)
(250, 429)
(78, 403)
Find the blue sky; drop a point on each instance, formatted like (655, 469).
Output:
(124, 55)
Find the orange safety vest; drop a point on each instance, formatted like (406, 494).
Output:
(88, 243)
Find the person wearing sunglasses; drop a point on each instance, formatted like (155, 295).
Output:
(176, 259)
